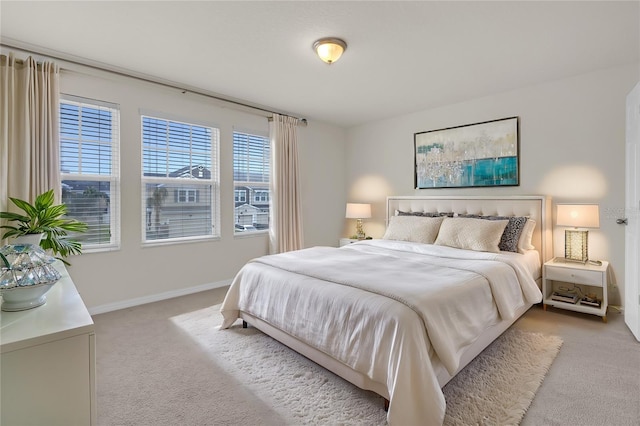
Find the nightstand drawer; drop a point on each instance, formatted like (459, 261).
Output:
(576, 276)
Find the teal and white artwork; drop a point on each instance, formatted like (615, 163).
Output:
(473, 155)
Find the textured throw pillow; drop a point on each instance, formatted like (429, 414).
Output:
(512, 232)
(417, 229)
(511, 235)
(471, 234)
(524, 243)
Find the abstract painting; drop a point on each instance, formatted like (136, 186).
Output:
(473, 155)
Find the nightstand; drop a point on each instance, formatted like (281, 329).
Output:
(561, 276)
(347, 241)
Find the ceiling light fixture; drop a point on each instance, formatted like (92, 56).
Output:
(329, 49)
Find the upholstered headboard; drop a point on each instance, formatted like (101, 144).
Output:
(537, 207)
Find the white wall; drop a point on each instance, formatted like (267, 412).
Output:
(322, 177)
(571, 148)
(572, 144)
(133, 273)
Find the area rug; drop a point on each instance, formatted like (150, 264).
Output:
(494, 389)
(497, 387)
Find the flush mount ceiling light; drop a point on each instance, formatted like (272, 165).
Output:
(329, 49)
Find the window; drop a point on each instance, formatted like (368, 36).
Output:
(261, 197)
(251, 173)
(89, 168)
(187, 196)
(180, 180)
(240, 196)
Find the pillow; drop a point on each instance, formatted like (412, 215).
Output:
(471, 234)
(423, 214)
(512, 232)
(417, 229)
(524, 243)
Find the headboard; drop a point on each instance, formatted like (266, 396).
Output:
(537, 207)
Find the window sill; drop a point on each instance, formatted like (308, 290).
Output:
(251, 234)
(177, 241)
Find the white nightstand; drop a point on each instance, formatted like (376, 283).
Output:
(347, 241)
(559, 275)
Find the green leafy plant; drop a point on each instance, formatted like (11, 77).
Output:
(42, 217)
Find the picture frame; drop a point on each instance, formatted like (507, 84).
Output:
(482, 154)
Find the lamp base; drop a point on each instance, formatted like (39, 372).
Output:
(359, 231)
(576, 246)
(569, 260)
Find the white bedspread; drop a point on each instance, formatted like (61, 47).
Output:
(384, 308)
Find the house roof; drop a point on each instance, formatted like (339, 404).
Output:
(401, 57)
(191, 172)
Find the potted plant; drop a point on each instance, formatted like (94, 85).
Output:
(42, 217)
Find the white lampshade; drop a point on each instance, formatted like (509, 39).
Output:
(578, 215)
(329, 49)
(358, 211)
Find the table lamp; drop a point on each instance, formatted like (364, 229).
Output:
(576, 242)
(358, 211)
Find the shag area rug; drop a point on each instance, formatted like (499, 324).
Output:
(494, 389)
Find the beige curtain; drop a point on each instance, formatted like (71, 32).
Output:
(286, 217)
(29, 136)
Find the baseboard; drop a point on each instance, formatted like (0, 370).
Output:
(101, 309)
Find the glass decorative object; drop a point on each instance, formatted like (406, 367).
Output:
(26, 275)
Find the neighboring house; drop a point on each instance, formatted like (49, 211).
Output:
(252, 205)
(89, 202)
(184, 206)
(196, 172)
(76, 194)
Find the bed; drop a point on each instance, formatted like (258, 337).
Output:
(403, 314)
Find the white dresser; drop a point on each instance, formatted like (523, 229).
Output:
(47, 364)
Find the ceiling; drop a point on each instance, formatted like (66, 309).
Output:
(402, 57)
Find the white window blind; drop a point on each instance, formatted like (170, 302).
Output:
(251, 175)
(180, 180)
(251, 158)
(89, 167)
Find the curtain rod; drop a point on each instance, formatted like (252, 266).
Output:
(76, 60)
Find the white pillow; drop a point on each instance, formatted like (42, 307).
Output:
(418, 229)
(471, 234)
(524, 243)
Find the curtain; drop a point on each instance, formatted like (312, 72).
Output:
(286, 218)
(29, 135)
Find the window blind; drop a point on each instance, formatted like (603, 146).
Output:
(89, 167)
(180, 179)
(251, 175)
(251, 158)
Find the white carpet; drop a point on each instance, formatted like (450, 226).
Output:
(498, 386)
(495, 389)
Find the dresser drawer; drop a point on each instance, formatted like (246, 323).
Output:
(576, 276)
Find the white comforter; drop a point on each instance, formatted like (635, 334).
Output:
(384, 308)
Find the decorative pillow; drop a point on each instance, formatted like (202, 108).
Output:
(424, 214)
(471, 234)
(511, 235)
(512, 232)
(524, 243)
(417, 229)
